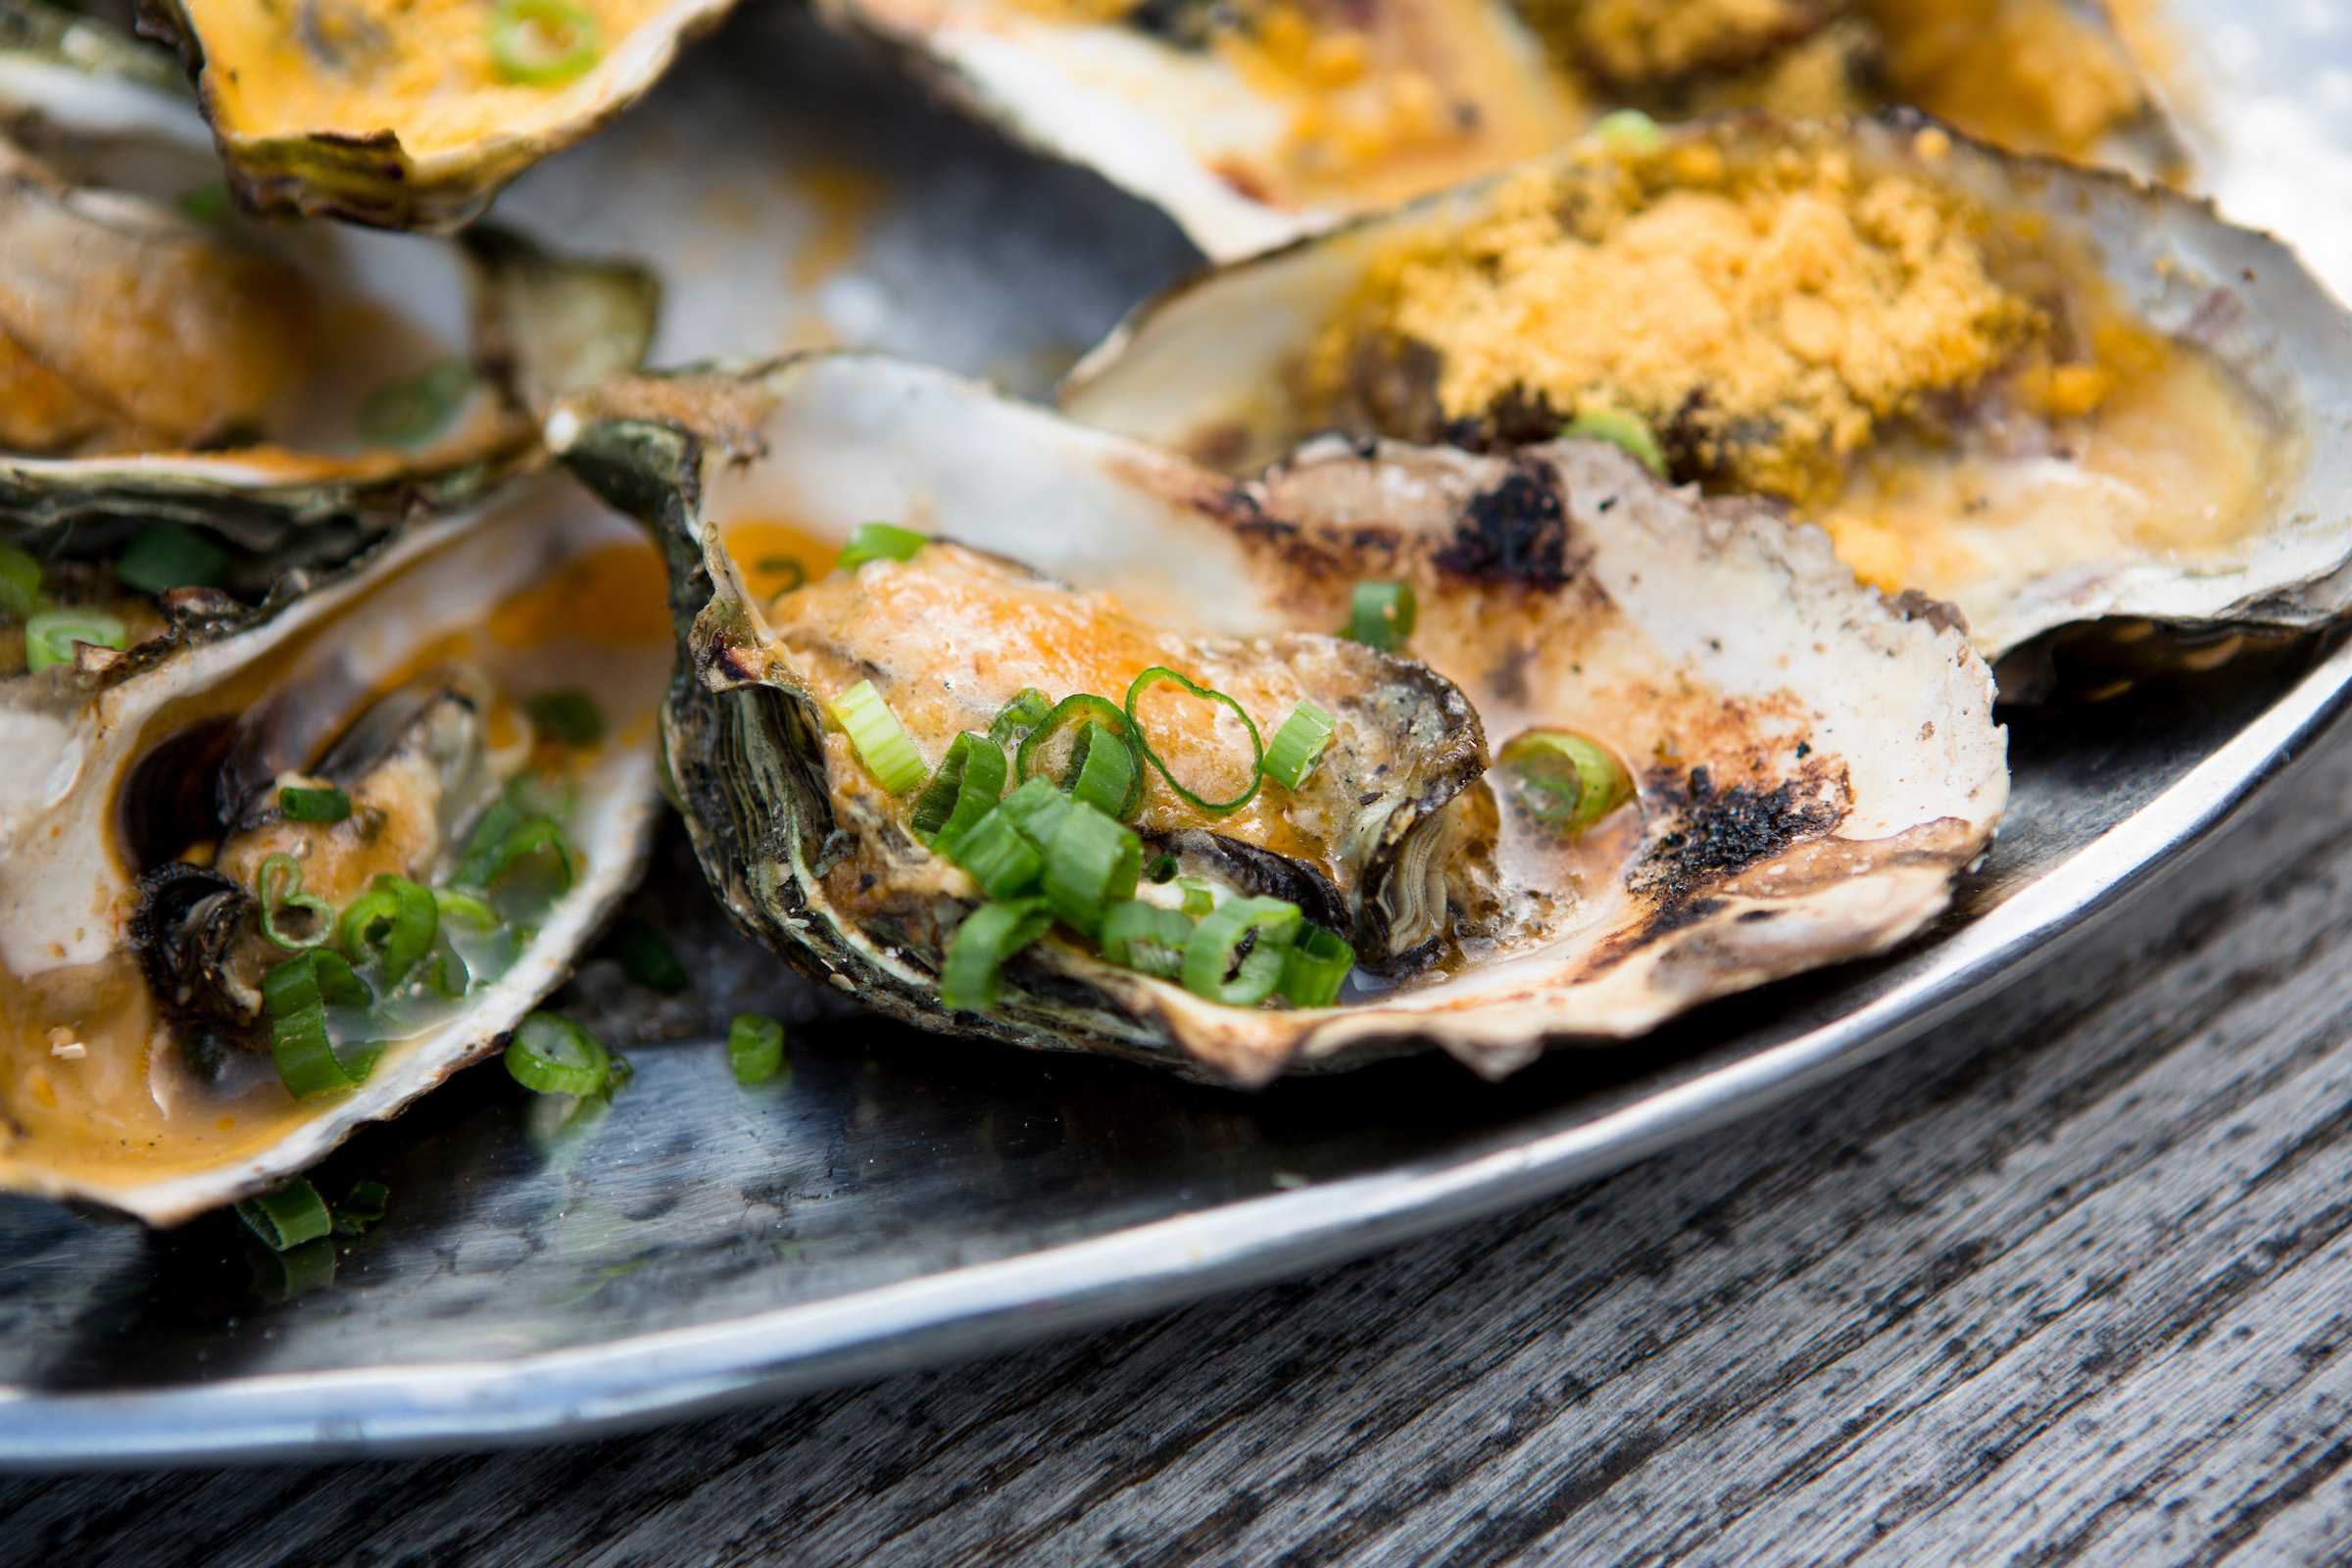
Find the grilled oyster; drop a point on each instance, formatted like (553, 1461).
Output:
(1255, 122)
(408, 788)
(1811, 766)
(190, 400)
(2042, 394)
(411, 118)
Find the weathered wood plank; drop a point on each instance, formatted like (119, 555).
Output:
(2070, 1281)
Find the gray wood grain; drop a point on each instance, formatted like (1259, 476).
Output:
(2068, 1281)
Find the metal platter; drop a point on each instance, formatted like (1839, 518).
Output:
(902, 1199)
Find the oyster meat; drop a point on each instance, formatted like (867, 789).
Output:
(1808, 766)
(2043, 394)
(417, 788)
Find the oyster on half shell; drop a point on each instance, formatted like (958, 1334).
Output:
(2043, 394)
(1812, 764)
(183, 820)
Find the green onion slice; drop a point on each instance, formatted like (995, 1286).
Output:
(1258, 747)
(1624, 430)
(1199, 898)
(647, 960)
(1626, 129)
(550, 1055)
(161, 556)
(879, 541)
(365, 1205)
(542, 43)
(755, 1048)
(280, 884)
(1109, 789)
(393, 922)
(1093, 862)
(1381, 615)
(1237, 952)
(297, 994)
(1146, 937)
(1028, 708)
(570, 715)
(967, 786)
(1299, 744)
(465, 910)
(287, 1217)
(1162, 871)
(49, 637)
(999, 856)
(1036, 810)
(299, 805)
(1314, 967)
(410, 411)
(20, 582)
(976, 954)
(1566, 781)
(881, 741)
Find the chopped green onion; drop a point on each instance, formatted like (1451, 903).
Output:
(542, 43)
(364, 1206)
(1028, 708)
(1237, 952)
(299, 805)
(977, 952)
(967, 786)
(550, 1055)
(1299, 744)
(570, 717)
(755, 1048)
(159, 556)
(1146, 937)
(286, 1217)
(1036, 810)
(394, 922)
(279, 882)
(1159, 674)
(512, 831)
(1626, 129)
(1624, 430)
(297, 994)
(647, 960)
(881, 741)
(1161, 871)
(1093, 864)
(1316, 966)
(20, 582)
(1199, 897)
(407, 412)
(1381, 615)
(1082, 712)
(49, 637)
(465, 910)
(879, 541)
(532, 837)
(999, 856)
(1566, 781)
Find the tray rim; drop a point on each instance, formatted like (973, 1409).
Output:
(640, 1379)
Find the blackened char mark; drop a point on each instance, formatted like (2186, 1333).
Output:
(1724, 831)
(1514, 533)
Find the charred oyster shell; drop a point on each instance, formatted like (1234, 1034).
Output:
(2045, 394)
(146, 803)
(1814, 766)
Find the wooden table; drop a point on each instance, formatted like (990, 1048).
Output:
(2069, 1280)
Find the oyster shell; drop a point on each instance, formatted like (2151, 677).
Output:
(411, 118)
(292, 392)
(1254, 122)
(1813, 765)
(2046, 395)
(144, 803)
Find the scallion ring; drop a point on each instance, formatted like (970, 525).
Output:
(465, 910)
(755, 1048)
(1566, 781)
(1093, 864)
(1146, 938)
(298, 804)
(393, 922)
(1299, 744)
(881, 742)
(542, 43)
(1028, 708)
(1080, 712)
(1159, 674)
(967, 786)
(1035, 811)
(1316, 966)
(49, 637)
(1381, 615)
(999, 856)
(879, 541)
(1198, 896)
(550, 1055)
(978, 951)
(287, 1216)
(280, 884)
(1620, 429)
(296, 995)
(1237, 952)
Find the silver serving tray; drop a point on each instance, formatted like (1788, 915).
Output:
(906, 1198)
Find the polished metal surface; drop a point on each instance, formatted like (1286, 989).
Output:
(905, 1198)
